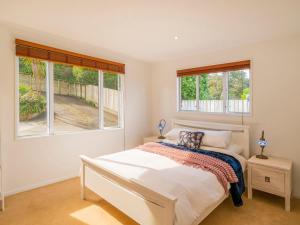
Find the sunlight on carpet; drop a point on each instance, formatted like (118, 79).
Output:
(94, 215)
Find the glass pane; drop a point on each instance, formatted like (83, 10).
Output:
(76, 103)
(211, 92)
(238, 91)
(111, 99)
(32, 97)
(188, 93)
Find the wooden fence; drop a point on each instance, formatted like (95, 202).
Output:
(216, 105)
(87, 92)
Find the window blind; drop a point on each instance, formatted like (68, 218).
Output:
(34, 50)
(215, 68)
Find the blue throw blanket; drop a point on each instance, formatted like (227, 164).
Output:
(236, 189)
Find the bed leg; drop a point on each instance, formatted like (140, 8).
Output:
(82, 181)
(170, 214)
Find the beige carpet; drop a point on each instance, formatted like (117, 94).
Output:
(60, 204)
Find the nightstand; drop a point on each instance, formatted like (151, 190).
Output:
(152, 139)
(273, 175)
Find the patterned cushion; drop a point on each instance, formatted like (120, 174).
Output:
(190, 139)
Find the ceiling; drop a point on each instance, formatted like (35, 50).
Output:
(145, 29)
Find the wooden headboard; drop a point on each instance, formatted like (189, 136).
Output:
(240, 133)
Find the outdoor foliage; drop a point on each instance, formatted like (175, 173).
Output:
(68, 73)
(23, 89)
(64, 72)
(238, 85)
(25, 66)
(110, 80)
(211, 86)
(32, 103)
(35, 68)
(75, 74)
(204, 87)
(188, 88)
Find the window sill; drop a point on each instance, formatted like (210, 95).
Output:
(68, 133)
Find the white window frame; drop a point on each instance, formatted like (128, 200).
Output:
(225, 97)
(50, 103)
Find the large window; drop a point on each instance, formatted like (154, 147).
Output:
(215, 92)
(55, 98)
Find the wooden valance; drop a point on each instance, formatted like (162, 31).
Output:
(215, 68)
(33, 50)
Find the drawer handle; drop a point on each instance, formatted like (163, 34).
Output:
(267, 179)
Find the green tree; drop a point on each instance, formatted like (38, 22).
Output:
(64, 72)
(85, 76)
(188, 88)
(25, 66)
(214, 87)
(35, 68)
(111, 80)
(204, 92)
(245, 94)
(238, 85)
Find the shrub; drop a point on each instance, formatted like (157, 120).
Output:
(23, 89)
(31, 104)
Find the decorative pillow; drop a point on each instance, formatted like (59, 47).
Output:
(190, 139)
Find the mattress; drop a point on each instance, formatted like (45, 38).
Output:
(197, 191)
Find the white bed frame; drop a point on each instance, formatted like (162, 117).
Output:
(142, 204)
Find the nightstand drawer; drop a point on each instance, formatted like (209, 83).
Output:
(268, 179)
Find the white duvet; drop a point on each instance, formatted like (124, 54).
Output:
(196, 190)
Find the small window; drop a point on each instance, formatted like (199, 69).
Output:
(216, 92)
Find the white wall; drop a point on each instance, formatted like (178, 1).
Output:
(276, 96)
(36, 161)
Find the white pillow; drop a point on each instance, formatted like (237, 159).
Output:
(174, 133)
(235, 148)
(218, 139)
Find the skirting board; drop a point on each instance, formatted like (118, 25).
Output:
(40, 184)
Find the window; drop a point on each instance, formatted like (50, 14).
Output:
(56, 98)
(221, 88)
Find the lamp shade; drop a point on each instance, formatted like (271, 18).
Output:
(262, 143)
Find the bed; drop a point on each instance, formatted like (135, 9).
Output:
(155, 190)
